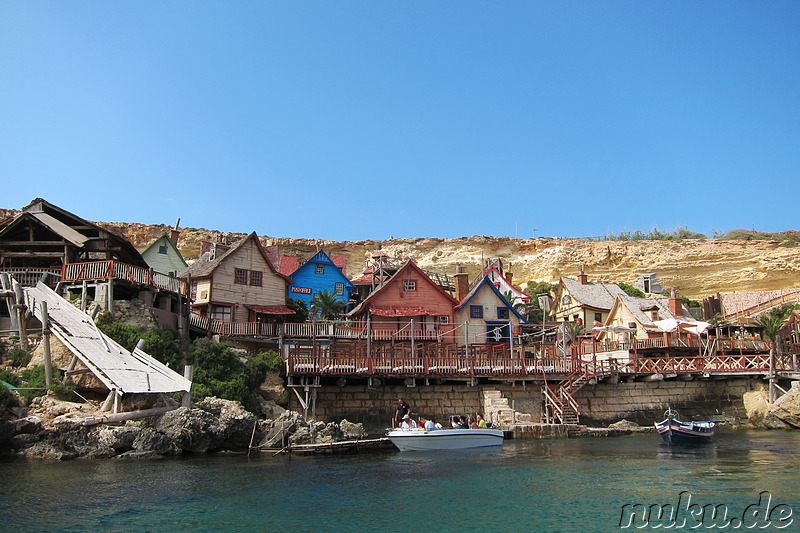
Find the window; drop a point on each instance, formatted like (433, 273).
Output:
(476, 311)
(162, 249)
(598, 317)
(248, 277)
(410, 285)
(444, 319)
(319, 268)
(338, 288)
(221, 312)
(646, 283)
(502, 313)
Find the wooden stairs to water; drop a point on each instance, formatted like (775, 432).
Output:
(559, 405)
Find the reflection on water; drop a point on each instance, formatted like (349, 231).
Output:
(574, 484)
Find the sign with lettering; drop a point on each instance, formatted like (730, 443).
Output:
(300, 290)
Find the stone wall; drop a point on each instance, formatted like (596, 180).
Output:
(601, 404)
(375, 406)
(645, 402)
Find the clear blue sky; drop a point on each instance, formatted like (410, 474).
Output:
(361, 120)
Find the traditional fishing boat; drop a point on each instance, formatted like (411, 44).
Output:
(417, 439)
(674, 431)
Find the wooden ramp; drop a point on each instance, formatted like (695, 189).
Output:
(118, 369)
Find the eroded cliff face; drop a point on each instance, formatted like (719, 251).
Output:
(696, 268)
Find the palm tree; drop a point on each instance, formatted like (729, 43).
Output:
(771, 323)
(327, 305)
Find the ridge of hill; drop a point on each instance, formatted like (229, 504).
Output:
(697, 268)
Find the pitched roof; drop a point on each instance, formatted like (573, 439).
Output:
(169, 243)
(597, 295)
(488, 282)
(409, 265)
(205, 266)
(75, 230)
(637, 307)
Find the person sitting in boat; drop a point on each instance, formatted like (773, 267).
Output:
(427, 424)
(473, 423)
(481, 422)
(408, 422)
(457, 423)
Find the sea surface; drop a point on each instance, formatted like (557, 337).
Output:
(545, 485)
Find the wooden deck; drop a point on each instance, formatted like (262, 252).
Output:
(496, 361)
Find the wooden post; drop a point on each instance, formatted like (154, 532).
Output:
(19, 308)
(110, 297)
(5, 282)
(48, 364)
(84, 295)
(188, 373)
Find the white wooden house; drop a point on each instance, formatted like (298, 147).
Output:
(239, 284)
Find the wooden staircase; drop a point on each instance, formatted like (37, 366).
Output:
(560, 406)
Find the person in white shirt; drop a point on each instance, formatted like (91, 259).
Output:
(408, 422)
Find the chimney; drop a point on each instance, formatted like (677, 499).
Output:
(175, 233)
(675, 304)
(583, 279)
(462, 284)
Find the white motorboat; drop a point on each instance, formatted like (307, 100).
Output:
(417, 439)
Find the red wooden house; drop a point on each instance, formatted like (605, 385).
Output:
(408, 306)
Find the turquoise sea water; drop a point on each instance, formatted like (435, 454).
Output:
(552, 485)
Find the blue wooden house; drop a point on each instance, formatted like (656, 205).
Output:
(318, 274)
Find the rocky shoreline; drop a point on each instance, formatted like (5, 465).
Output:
(213, 425)
(59, 430)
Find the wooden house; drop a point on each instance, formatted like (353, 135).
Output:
(320, 273)
(485, 313)
(163, 256)
(502, 280)
(644, 318)
(43, 235)
(238, 284)
(409, 305)
(583, 302)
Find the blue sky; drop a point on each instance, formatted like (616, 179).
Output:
(365, 120)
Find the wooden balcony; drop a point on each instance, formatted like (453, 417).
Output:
(104, 270)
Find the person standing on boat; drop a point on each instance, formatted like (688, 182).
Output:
(403, 409)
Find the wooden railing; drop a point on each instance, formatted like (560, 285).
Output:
(421, 360)
(96, 270)
(28, 277)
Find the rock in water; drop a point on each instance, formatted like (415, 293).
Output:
(192, 430)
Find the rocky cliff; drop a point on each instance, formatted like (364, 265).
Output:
(697, 268)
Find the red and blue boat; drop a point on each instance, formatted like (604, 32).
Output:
(674, 431)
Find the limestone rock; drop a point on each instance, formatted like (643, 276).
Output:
(352, 431)
(284, 426)
(192, 430)
(624, 424)
(151, 442)
(237, 423)
(120, 438)
(788, 411)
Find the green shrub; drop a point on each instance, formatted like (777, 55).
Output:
(7, 398)
(630, 290)
(9, 377)
(32, 378)
(19, 357)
